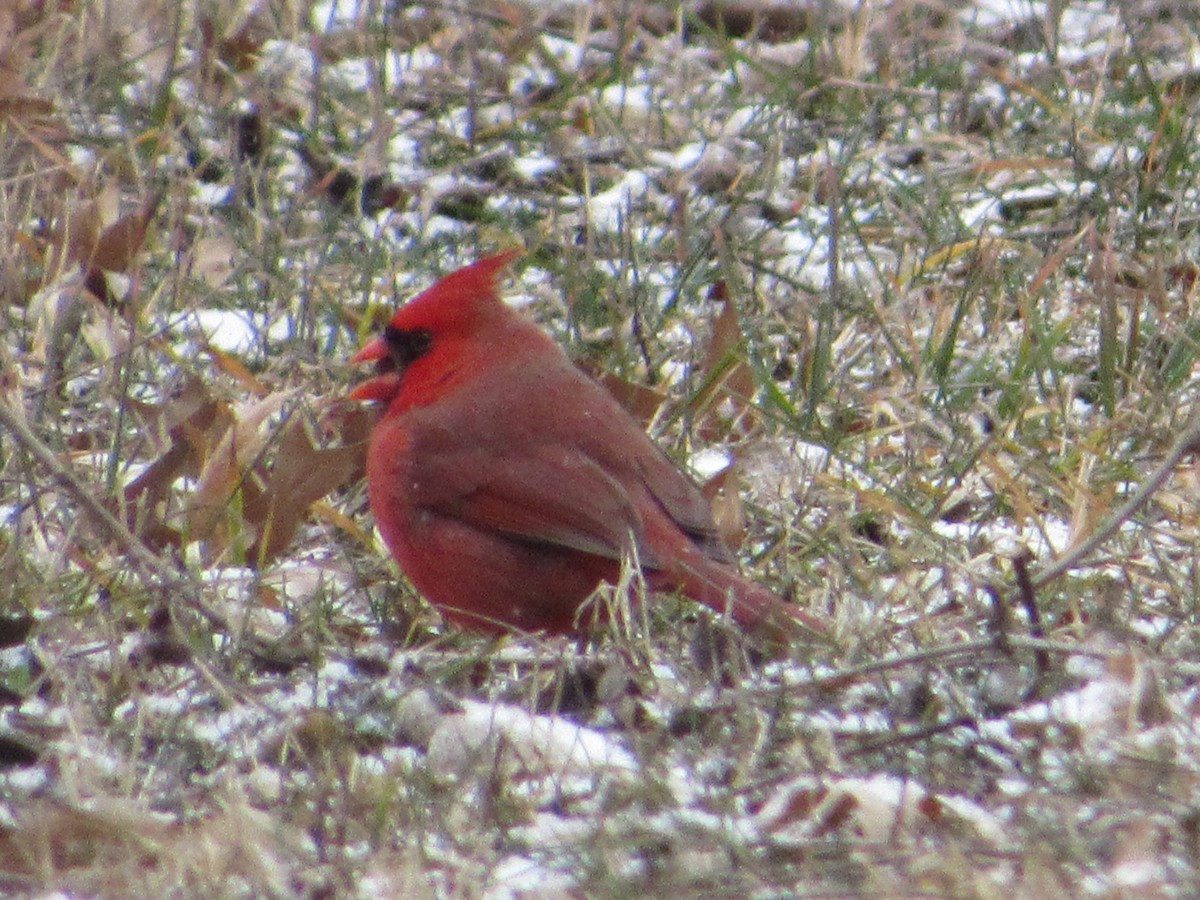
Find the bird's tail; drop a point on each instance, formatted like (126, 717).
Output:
(750, 605)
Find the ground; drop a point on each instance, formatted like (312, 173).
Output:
(908, 287)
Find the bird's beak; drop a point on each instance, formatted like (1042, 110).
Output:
(383, 386)
(374, 350)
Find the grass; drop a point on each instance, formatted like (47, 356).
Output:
(962, 323)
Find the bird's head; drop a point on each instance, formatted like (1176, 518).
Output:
(452, 310)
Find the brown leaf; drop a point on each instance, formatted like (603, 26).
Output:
(228, 471)
(727, 376)
(20, 106)
(193, 424)
(84, 222)
(23, 107)
(729, 513)
(303, 472)
(642, 401)
(726, 342)
(99, 248)
(232, 45)
(771, 21)
(236, 493)
(237, 370)
(116, 247)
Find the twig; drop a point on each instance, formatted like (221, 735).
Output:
(1000, 622)
(86, 498)
(973, 649)
(173, 586)
(1188, 442)
(909, 736)
(1051, 235)
(837, 680)
(1028, 597)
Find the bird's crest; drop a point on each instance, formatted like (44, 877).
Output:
(461, 298)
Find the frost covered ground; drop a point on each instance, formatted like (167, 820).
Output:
(908, 285)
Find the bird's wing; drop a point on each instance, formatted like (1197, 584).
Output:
(554, 496)
(629, 456)
(682, 501)
(620, 448)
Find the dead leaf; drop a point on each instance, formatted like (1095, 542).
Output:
(231, 46)
(727, 376)
(729, 513)
(642, 401)
(212, 258)
(119, 244)
(303, 472)
(236, 369)
(194, 423)
(228, 477)
(771, 21)
(237, 494)
(97, 242)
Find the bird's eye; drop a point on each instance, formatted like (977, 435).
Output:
(404, 346)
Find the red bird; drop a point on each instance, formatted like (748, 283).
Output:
(508, 484)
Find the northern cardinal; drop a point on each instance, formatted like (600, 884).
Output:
(508, 484)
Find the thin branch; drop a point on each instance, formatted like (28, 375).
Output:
(113, 528)
(173, 586)
(1028, 597)
(974, 651)
(1186, 443)
(845, 676)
